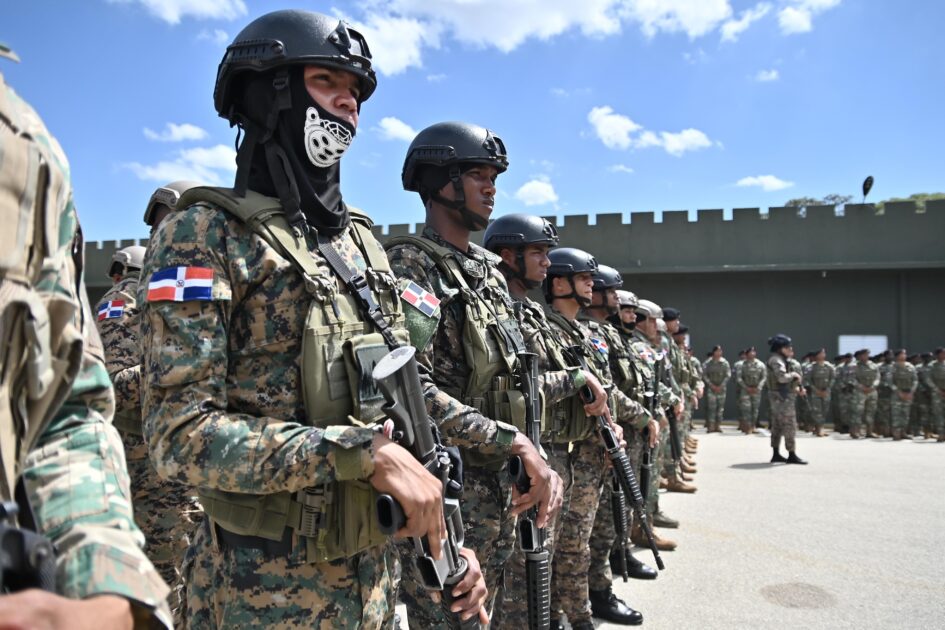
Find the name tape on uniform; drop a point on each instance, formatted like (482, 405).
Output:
(180, 284)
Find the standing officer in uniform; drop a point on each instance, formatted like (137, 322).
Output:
(751, 380)
(167, 512)
(865, 378)
(935, 377)
(736, 375)
(522, 243)
(716, 374)
(682, 382)
(844, 385)
(903, 380)
(473, 351)
(62, 473)
(783, 385)
(819, 382)
(885, 394)
(267, 307)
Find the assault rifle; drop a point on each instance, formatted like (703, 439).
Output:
(27, 559)
(623, 471)
(618, 504)
(532, 539)
(398, 380)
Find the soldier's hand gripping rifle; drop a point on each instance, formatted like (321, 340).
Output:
(532, 539)
(623, 471)
(398, 380)
(27, 559)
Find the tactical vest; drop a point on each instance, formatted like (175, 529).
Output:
(643, 375)
(782, 389)
(340, 347)
(567, 421)
(491, 341)
(40, 344)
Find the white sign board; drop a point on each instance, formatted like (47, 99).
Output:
(852, 343)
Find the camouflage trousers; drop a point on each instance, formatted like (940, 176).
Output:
(819, 407)
(511, 603)
(714, 407)
(899, 412)
(802, 406)
(167, 514)
(847, 410)
(250, 588)
(921, 412)
(748, 407)
(884, 412)
(490, 532)
(572, 551)
(937, 419)
(864, 410)
(659, 459)
(783, 421)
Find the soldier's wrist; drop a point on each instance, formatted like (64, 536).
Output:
(577, 375)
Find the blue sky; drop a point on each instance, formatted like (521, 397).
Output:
(604, 105)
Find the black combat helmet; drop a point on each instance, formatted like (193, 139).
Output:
(515, 231)
(292, 37)
(566, 262)
(441, 153)
(779, 341)
(607, 277)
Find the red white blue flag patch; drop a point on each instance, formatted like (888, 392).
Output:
(600, 344)
(113, 309)
(420, 298)
(180, 284)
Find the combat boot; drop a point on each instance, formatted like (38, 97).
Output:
(778, 458)
(607, 606)
(687, 468)
(897, 434)
(677, 485)
(660, 519)
(686, 477)
(582, 625)
(689, 450)
(663, 483)
(635, 569)
(792, 458)
(556, 625)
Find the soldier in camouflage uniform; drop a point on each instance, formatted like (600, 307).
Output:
(630, 382)
(923, 398)
(800, 400)
(736, 369)
(62, 472)
(751, 382)
(682, 382)
(935, 377)
(266, 308)
(697, 391)
(846, 373)
(473, 351)
(698, 386)
(885, 393)
(166, 512)
(784, 384)
(522, 242)
(818, 381)
(803, 405)
(865, 378)
(646, 344)
(903, 381)
(717, 372)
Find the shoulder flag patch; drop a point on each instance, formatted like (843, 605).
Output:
(180, 284)
(600, 344)
(113, 309)
(421, 299)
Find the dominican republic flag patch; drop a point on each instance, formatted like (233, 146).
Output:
(113, 309)
(421, 299)
(180, 284)
(600, 344)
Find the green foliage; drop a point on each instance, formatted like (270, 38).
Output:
(918, 198)
(832, 199)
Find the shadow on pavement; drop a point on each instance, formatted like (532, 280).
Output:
(752, 466)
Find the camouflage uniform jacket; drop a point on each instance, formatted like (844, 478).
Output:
(222, 394)
(903, 377)
(737, 375)
(696, 372)
(650, 354)
(781, 377)
(885, 378)
(444, 354)
(541, 339)
(629, 410)
(751, 374)
(866, 374)
(820, 376)
(717, 372)
(795, 366)
(74, 475)
(643, 371)
(680, 366)
(936, 375)
(119, 330)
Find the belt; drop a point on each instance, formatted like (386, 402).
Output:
(229, 540)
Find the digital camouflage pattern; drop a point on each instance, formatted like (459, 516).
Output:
(166, 512)
(884, 398)
(223, 405)
(935, 377)
(903, 381)
(819, 380)
(751, 381)
(716, 374)
(865, 380)
(782, 390)
(74, 474)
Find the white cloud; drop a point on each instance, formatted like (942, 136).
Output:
(733, 28)
(764, 76)
(397, 42)
(173, 11)
(616, 132)
(613, 129)
(392, 128)
(176, 133)
(537, 192)
(695, 18)
(798, 16)
(217, 36)
(203, 164)
(436, 78)
(620, 168)
(767, 183)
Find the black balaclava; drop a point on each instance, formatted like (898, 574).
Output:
(298, 161)
(434, 178)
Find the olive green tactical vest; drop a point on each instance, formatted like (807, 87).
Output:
(567, 421)
(339, 349)
(41, 345)
(492, 341)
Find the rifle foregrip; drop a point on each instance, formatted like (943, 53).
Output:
(517, 474)
(453, 620)
(538, 581)
(390, 516)
(628, 480)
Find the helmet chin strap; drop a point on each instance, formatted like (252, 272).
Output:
(519, 274)
(472, 221)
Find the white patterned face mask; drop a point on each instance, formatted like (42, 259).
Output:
(325, 140)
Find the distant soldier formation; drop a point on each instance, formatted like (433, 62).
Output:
(317, 427)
